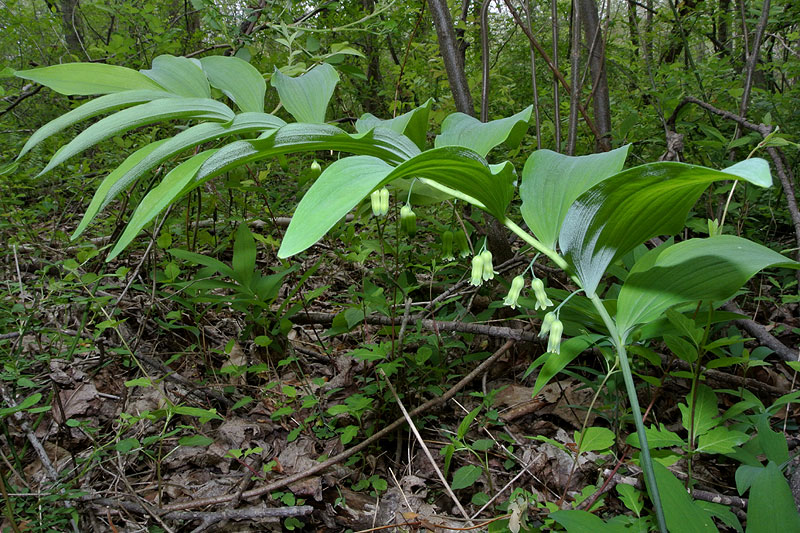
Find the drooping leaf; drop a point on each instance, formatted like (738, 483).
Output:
(551, 182)
(459, 129)
(102, 191)
(238, 79)
(771, 506)
(92, 108)
(89, 78)
(180, 75)
(681, 513)
(712, 268)
(306, 97)
(454, 170)
(413, 124)
(156, 200)
(623, 211)
(141, 115)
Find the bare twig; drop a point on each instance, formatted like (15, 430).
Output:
(764, 337)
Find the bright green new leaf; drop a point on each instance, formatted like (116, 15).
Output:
(27, 403)
(141, 115)
(594, 439)
(771, 506)
(720, 440)
(681, 513)
(551, 182)
(89, 78)
(413, 124)
(306, 97)
(157, 199)
(98, 200)
(623, 211)
(179, 75)
(463, 427)
(238, 79)
(97, 106)
(465, 476)
(463, 130)
(712, 268)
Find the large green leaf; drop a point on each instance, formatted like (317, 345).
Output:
(552, 181)
(157, 199)
(337, 190)
(180, 75)
(713, 268)
(771, 506)
(463, 130)
(203, 132)
(97, 106)
(457, 171)
(244, 256)
(89, 78)
(141, 115)
(623, 211)
(306, 97)
(299, 137)
(413, 124)
(578, 521)
(680, 511)
(238, 79)
(102, 191)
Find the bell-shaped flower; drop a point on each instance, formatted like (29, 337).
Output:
(554, 340)
(447, 246)
(542, 301)
(513, 293)
(375, 202)
(488, 268)
(384, 201)
(408, 220)
(462, 244)
(547, 323)
(477, 270)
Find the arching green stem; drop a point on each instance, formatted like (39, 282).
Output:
(537, 245)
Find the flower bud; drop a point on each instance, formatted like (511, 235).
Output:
(488, 268)
(384, 201)
(542, 301)
(375, 201)
(554, 340)
(315, 169)
(477, 270)
(462, 244)
(408, 220)
(447, 246)
(513, 293)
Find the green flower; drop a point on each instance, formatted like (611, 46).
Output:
(384, 205)
(488, 269)
(477, 270)
(408, 220)
(315, 169)
(461, 242)
(547, 323)
(542, 301)
(513, 293)
(554, 340)
(375, 202)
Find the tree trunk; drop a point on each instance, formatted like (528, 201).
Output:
(370, 91)
(597, 67)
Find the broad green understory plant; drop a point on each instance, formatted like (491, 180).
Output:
(583, 214)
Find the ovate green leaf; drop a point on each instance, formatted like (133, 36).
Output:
(681, 513)
(551, 182)
(713, 268)
(623, 211)
(465, 476)
(771, 506)
(179, 75)
(238, 79)
(306, 97)
(463, 130)
(413, 124)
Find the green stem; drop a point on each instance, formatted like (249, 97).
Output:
(537, 245)
(647, 462)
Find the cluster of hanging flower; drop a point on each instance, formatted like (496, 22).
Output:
(550, 324)
(482, 268)
(380, 202)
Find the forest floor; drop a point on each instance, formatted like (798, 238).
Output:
(141, 416)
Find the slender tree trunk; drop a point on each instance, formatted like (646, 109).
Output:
(534, 89)
(723, 26)
(575, 81)
(597, 66)
(556, 98)
(633, 28)
(370, 91)
(70, 25)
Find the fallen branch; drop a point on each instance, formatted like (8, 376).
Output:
(280, 483)
(764, 337)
